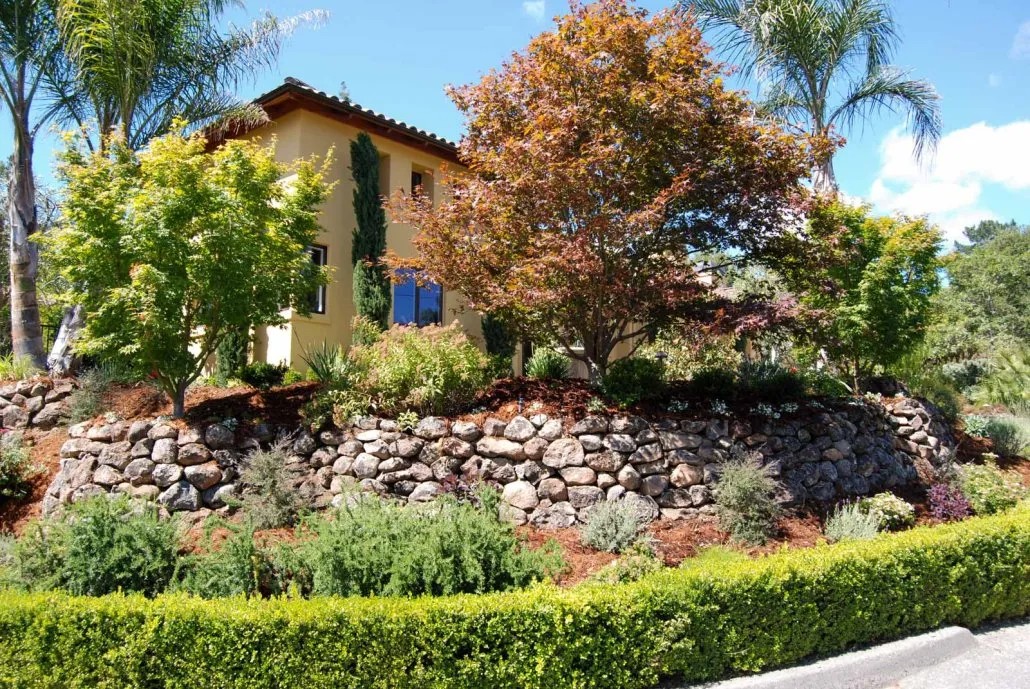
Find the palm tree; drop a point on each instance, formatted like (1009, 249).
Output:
(140, 65)
(31, 69)
(823, 63)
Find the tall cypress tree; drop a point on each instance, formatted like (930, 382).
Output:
(371, 283)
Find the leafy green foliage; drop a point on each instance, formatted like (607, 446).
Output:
(231, 355)
(966, 373)
(871, 289)
(988, 489)
(548, 364)
(690, 351)
(235, 567)
(14, 367)
(171, 248)
(744, 500)
(1007, 437)
(712, 383)
(724, 616)
(263, 375)
(372, 295)
(500, 345)
(270, 500)
(612, 526)
(629, 380)
(850, 523)
(430, 370)
(364, 331)
(329, 364)
(1008, 383)
(976, 425)
(890, 511)
(985, 308)
(99, 546)
(16, 467)
(371, 547)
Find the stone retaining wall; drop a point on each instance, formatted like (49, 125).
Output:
(37, 402)
(549, 470)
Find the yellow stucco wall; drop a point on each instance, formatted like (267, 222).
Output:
(301, 133)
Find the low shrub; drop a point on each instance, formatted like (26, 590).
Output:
(612, 526)
(548, 364)
(1007, 438)
(891, 512)
(16, 467)
(99, 546)
(988, 489)
(849, 523)
(744, 500)
(88, 399)
(639, 561)
(236, 566)
(372, 547)
(270, 500)
(713, 383)
(629, 380)
(976, 425)
(430, 370)
(966, 373)
(768, 381)
(686, 625)
(263, 375)
(364, 331)
(947, 502)
(1008, 383)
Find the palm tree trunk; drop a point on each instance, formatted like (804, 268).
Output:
(823, 177)
(26, 330)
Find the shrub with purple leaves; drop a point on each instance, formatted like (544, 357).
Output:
(947, 503)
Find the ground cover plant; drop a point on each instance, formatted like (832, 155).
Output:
(988, 489)
(849, 522)
(16, 467)
(715, 617)
(890, 511)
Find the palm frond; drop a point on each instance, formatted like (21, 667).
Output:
(890, 88)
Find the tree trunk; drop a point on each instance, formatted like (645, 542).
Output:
(823, 177)
(26, 330)
(63, 360)
(179, 401)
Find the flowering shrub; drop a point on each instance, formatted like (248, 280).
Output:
(988, 489)
(947, 502)
(891, 511)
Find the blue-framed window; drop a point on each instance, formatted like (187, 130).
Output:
(415, 304)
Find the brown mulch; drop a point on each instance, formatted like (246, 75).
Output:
(45, 454)
(205, 403)
(510, 397)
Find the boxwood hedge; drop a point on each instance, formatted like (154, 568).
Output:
(692, 623)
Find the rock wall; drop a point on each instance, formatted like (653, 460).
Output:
(549, 470)
(37, 402)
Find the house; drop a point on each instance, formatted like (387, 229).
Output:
(308, 122)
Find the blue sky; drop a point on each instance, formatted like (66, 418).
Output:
(396, 56)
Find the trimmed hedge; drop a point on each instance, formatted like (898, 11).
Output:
(692, 623)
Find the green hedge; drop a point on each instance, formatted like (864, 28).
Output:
(691, 623)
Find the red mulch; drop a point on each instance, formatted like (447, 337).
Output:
(45, 453)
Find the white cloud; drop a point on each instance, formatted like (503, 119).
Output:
(537, 8)
(1021, 43)
(949, 187)
(993, 80)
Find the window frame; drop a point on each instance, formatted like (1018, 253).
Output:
(319, 297)
(416, 303)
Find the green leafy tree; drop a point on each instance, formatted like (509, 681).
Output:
(869, 296)
(824, 64)
(985, 307)
(371, 281)
(170, 249)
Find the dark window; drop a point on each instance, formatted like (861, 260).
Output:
(415, 304)
(319, 255)
(416, 183)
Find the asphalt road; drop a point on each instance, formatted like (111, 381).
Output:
(999, 660)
